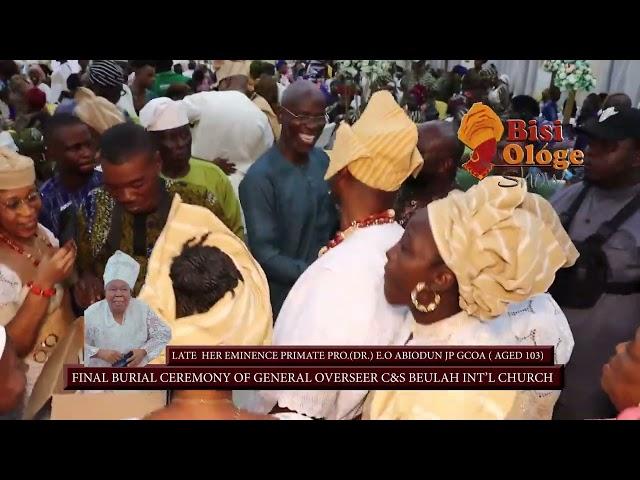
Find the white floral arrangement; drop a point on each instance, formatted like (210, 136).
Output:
(373, 69)
(551, 65)
(571, 75)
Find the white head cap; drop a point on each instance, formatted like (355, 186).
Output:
(163, 114)
(121, 267)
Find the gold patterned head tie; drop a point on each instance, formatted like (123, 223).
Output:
(380, 149)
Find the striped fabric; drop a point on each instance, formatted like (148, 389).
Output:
(503, 244)
(380, 148)
(106, 73)
(243, 318)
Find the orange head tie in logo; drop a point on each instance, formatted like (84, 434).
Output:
(481, 130)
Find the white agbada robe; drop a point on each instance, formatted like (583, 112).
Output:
(141, 328)
(230, 126)
(338, 300)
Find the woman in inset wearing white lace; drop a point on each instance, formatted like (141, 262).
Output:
(473, 268)
(120, 328)
(34, 305)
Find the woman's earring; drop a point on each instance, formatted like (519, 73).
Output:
(421, 308)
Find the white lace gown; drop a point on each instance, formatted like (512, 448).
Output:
(141, 328)
(13, 294)
(537, 321)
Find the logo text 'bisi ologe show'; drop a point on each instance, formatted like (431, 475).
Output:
(481, 130)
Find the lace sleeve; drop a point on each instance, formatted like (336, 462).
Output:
(10, 287)
(90, 350)
(158, 337)
(442, 405)
(50, 236)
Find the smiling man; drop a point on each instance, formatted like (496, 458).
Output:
(339, 300)
(288, 211)
(69, 145)
(130, 210)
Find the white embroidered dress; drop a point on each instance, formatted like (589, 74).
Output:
(141, 328)
(537, 321)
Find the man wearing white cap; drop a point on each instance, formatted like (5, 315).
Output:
(230, 129)
(120, 328)
(167, 122)
(12, 377)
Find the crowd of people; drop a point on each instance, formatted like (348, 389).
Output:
(290, 203)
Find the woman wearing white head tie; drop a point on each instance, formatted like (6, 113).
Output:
(204, 282)
(473, 268)
(119, 324)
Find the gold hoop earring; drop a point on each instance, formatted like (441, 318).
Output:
(421, 308)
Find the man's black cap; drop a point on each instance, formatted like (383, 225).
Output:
(613, 123)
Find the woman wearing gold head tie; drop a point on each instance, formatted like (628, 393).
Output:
(473, 268)
(33, 305)
(204, 282)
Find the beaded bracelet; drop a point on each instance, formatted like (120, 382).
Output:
(36, 290)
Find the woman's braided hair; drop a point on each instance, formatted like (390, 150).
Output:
(201, 276)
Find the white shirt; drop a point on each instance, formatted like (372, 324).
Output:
(230, 126)
(339, 300)
(47, 91)
(59, 80)
(126, 102)
(537, 321)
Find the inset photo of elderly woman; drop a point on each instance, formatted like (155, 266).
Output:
(121, 331)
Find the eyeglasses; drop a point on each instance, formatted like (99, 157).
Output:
(32, 201)
(309, 119)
